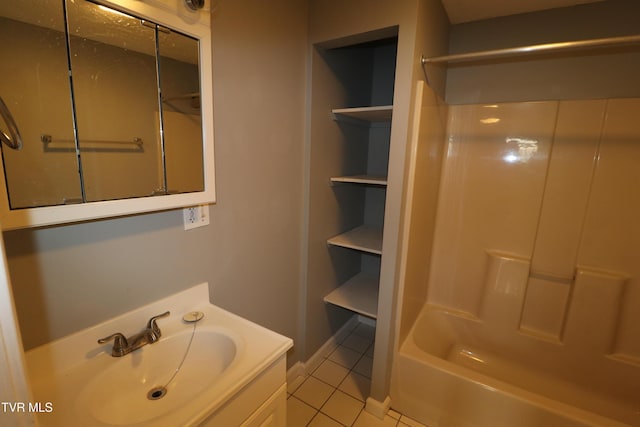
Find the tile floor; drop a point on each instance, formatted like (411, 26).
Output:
(334, 394)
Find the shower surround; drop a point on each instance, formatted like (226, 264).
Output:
(532, 312)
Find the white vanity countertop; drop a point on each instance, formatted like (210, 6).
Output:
(62, 371)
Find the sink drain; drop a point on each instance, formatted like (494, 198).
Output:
(156, 393)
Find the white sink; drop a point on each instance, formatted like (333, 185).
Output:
(87, 386)
(139, 386)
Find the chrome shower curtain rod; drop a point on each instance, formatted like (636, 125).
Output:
(533, 49)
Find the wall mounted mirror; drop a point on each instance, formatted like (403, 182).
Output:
(113, 104)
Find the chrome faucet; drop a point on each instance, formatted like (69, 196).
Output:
(123, 345)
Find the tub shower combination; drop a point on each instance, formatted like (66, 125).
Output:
(531, 315)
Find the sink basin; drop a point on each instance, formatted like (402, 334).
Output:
(144, 385)
(86, 386)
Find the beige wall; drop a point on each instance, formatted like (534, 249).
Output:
(68, 277)
(588, 74)
(260, 63)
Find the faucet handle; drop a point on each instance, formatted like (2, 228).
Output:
(153, 325)
(119, 343)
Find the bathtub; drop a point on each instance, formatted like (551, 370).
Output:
(451, 370)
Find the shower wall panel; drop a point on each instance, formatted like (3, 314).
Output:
(536, 229)
(611, 237)
(428, 137)
(490, 196)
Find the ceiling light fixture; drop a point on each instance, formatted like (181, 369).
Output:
(194, 4)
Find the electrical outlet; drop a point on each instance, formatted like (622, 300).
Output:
(195, 216)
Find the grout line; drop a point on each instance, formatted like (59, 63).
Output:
(336, 388)
(358, 416)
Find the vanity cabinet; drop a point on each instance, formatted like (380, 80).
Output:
(221, 371)
(261, 403)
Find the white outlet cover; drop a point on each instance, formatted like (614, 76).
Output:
(195, 216)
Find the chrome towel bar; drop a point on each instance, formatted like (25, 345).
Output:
(13, 140)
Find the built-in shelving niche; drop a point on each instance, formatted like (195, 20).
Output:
(369, 127)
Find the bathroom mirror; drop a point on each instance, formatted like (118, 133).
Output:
(181, 118)
(115, 90)
(35, 87)
(113, 103)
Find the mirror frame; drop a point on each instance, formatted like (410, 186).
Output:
(176, 16)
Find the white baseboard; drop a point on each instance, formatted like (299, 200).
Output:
(300, 369)
(297, 370)
(377, 408)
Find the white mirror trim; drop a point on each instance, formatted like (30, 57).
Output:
(174, 15)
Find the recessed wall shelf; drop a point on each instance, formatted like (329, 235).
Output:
(360, 179)
(365, 238)
(359, 294)
(350, 150)
(376, 114)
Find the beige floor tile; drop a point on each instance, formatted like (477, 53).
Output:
(327, 351)
(364, 366)
(357, 386)
(312, 365)
(321, 420)
(369, 352)
(410, 422)
(394, 414)
(331, 373)
(365, 330)
(345, 356)
(293, 385)
(342, 407)
(335, 393)
(357, 343)
(298, 413)
(314, 392)
(365, 419)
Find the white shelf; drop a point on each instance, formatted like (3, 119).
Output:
(358, 294)
(361, 179)
(381, 113)
(365, 238)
